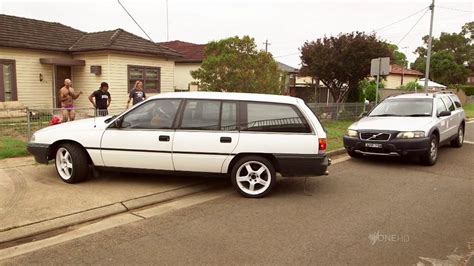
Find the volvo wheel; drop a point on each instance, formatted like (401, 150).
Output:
(431, 154)
(459, 140)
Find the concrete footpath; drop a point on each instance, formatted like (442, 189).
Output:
(34, 200)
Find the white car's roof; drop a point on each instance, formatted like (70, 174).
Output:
(228, 96)
(417, 96)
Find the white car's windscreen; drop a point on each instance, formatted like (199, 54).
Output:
(403, 107)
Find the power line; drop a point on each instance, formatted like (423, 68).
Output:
(404, 36)
(456, 9)
(402, 19)
(285, 55)
(135, 21)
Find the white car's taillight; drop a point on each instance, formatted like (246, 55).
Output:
(322, 146)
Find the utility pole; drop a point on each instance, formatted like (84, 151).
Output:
(266, 45)
(378, 80)
(428, 55)
(167, 23)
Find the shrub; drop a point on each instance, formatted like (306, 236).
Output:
(411, 86)
(368, 89)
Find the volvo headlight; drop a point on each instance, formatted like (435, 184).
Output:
(352, 133)
(411, 134)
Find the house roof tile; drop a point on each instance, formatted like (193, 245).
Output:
(36, 34)
(399, 70)
(192, 53)
(120, 40)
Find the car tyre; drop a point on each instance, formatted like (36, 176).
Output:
(353, 154)
(71, 163)
(459, 140)
(253, 176)
(431, 155)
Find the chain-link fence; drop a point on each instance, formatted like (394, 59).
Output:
(339, 111)
(22, 122)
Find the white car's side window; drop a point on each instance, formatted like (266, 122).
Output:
(269, 117)
(449, 103)
(201, 114)
(440, 107)
(157, 114)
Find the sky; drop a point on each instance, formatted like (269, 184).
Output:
(286, 24)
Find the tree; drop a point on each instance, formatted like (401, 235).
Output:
(342, 62)
(398, 57)
(235, 65)
(443, 68)
(451, 53)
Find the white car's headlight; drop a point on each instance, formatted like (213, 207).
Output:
(411, 134)
(351, 133)
(33, 137)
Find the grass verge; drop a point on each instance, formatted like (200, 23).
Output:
(469, 110)
(335, 131)
(11, 147)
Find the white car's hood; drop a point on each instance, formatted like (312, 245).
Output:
(89, 123)
(392, 123)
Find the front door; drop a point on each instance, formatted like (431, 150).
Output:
(62, 73)
(443, 121)
(207, 136)
(144, 139)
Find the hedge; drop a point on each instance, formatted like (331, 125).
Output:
(468, 89)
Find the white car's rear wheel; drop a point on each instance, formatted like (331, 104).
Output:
(253, 176)
(71, 163)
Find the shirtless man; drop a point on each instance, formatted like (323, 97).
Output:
(67, 97)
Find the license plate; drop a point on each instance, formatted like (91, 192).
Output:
(373, 145)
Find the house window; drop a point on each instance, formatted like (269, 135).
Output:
(150, 76)
(7, 80)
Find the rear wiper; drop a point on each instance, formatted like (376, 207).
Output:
(414, 115)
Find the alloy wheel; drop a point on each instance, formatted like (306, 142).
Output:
(253, 177)
(64, 163)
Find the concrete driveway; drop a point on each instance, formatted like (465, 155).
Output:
(33, 199)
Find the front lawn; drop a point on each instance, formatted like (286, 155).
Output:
(11, 147)
(469, 110)
(335, 131)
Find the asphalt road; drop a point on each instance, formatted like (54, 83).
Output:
(367, 212)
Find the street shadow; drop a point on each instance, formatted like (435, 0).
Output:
(154, 178)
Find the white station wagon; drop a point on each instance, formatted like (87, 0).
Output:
(248, 137)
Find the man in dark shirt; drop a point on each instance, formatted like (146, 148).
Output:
(101, 100)
(136, 94)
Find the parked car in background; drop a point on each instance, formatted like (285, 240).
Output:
(248, 137)
(416, 124)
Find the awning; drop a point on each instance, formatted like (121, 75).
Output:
(62, 62)
(431, 84)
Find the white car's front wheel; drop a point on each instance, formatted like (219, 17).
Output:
(253, 176)
(71, 163)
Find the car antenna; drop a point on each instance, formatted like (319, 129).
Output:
(95, 114)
